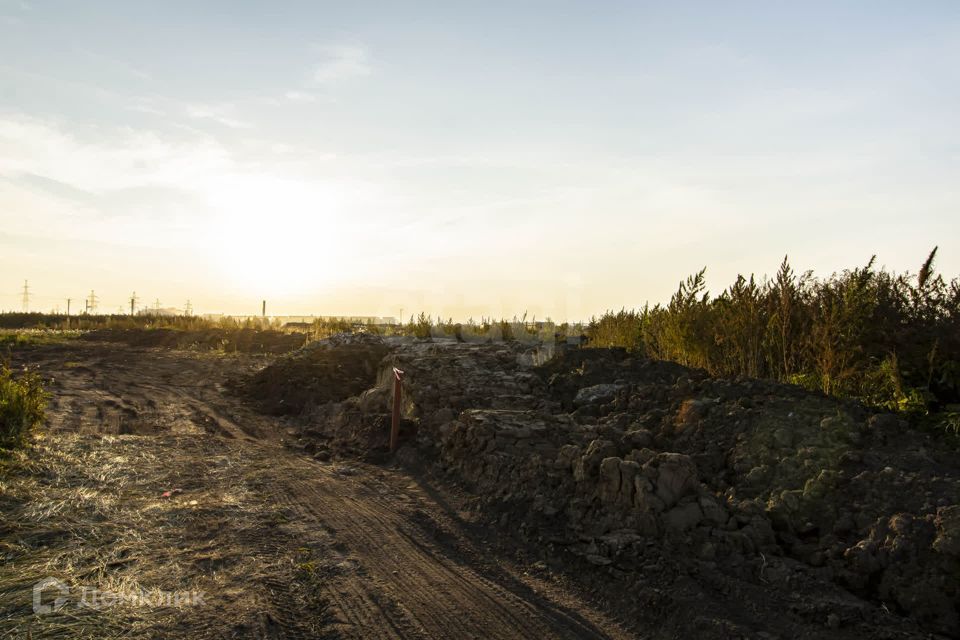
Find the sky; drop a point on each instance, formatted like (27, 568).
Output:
(467, 159)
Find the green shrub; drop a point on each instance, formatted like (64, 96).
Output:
(421, 327)
(22, 404)
(890, 340)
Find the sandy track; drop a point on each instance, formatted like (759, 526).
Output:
(284, 546)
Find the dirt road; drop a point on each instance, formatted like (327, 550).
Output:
(151, 480)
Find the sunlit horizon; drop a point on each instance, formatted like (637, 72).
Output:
(555, 159)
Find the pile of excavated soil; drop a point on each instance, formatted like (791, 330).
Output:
(229, 340)
(322, 372)
(770, 510)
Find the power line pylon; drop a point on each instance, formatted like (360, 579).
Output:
(188, 309)
(133, 303)
(26, 297)
(92, 303)
(156, 306)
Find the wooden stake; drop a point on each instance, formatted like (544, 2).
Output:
(395, 422)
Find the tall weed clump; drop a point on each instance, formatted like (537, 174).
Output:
(22, 404)
(890, 340)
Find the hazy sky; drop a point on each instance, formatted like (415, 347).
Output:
(467, 158)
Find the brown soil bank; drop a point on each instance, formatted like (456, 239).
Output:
(322, 372)
(708, 507)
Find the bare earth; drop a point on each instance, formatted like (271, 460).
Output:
(275, 544)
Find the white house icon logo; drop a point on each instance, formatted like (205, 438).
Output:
(59, 602)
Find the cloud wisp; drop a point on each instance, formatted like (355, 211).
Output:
(342, 62)
(221, 114)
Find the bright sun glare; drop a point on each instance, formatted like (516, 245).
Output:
(274, 234)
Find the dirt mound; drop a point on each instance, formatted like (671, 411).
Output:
(326, 371)
(652, 471)
(228, 340)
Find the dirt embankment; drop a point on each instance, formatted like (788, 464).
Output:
(322, 372)
(714, 508)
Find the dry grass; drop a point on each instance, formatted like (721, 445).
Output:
(90, 511)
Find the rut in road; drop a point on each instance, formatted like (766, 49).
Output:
(393, 580)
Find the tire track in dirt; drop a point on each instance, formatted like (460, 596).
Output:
(445, 597)
(129, 397)
(355, 604)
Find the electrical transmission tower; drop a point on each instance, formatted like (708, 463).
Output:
(156, 306)
(188, 309)
(133, 303)
(26, 297)
(92, 303)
